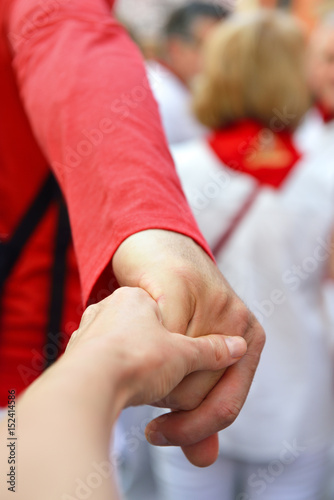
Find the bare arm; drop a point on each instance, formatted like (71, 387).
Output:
(121, 355)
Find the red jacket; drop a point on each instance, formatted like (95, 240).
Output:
(74, 97)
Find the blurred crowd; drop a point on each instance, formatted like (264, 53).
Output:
(245, 92)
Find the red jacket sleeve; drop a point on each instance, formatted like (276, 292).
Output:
(84, 88)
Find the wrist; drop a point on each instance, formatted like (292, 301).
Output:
(153, 247)
(95, 381)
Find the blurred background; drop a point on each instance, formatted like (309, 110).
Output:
(171, 70)
(145, 18)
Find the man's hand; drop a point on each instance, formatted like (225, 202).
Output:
(195, 300)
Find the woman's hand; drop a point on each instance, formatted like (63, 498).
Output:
(120, 355)
(123, 338)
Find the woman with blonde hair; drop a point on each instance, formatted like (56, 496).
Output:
(267, 213)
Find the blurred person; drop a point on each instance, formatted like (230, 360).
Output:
(267, 213)
(172, 76)
(121, 355)
(318, 122)
(321, 81)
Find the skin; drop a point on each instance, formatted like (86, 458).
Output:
(195, 300)
(321, 66)
(183, 56)
(121, 355)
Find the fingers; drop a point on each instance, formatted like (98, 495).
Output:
(171, 357)
(203, 360)
(217, 411)
(194, 388)
(185, 428)
(208, 356)
(122, 309)
(131, 301)
(204, 453)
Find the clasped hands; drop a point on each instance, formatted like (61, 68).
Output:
(198, 378)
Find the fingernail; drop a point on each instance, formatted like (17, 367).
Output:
(236, 345)
(157, 439)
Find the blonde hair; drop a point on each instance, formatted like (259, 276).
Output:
(254, 67)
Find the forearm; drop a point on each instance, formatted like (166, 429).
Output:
(63, 434)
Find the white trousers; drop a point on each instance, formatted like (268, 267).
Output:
(228, 479)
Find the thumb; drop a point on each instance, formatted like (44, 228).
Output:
(177, 307)
(212, 352)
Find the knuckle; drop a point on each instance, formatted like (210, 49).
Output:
(90, 312)
(127, 294)
(260, 336)
(257, 332)
(247, 325)
(189, 393)
(190, 404)
(219, 349)
(227, 412)
(74, 335)
(245, 318)
(183, 434)
(177, 400)
(222, 301)
(256, 345)
(123, 292)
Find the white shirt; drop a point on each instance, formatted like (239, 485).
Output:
(310, 131)
(173, 99)
(308, 137)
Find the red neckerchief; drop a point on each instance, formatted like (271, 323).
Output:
(326, 115)
(249, 147)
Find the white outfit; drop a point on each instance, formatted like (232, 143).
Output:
(173, 99)
(275, 260)
(310, 131)
(307, 138)
(229, 479)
